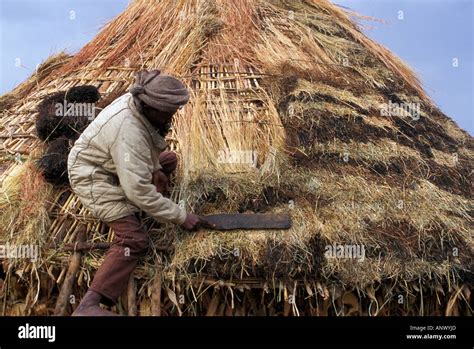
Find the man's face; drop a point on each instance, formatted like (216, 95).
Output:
(157, 116)
(159, 119)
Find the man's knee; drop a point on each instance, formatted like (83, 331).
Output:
(139, 244)
(168, 161)
(130, 235)
(136, 246)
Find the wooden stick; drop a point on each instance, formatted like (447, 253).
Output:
(19, 135)
(88, 246)
(213, 306)
(132, 297)
(74, 264)
(156, 292)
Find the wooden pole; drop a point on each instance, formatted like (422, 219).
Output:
(156, 291)
(132, 297)
(213, 306)
(88, 246)
(74, 264)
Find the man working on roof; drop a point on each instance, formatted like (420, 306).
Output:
(118, 168)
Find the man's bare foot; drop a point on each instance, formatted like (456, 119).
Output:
(89, 306)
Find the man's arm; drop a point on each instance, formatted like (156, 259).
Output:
(132, 158)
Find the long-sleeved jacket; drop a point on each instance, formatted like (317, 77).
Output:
(110, 166)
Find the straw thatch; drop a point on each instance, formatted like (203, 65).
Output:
(287, 113)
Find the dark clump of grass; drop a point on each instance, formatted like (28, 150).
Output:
(53, 164)
(48, 105)
(83, 94)
(52, 125)
(49, 125)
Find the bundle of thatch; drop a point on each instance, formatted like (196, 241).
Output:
(292, 108)
(66, 113)
(62, 117)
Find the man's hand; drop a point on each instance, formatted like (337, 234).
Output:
(161, 182)
(191, 223)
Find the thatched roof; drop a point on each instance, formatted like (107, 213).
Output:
(299, 87)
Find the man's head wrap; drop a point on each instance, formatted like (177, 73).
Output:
(161, 92)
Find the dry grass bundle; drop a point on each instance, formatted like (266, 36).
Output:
(11, 186)
(25, 222)
(232, 45)
(244, 144)
(29, 187)
(364, 207)
(160, 28)
(24, 206)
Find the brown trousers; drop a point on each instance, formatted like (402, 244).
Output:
(129, 244)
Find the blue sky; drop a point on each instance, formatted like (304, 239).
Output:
(430, 36)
